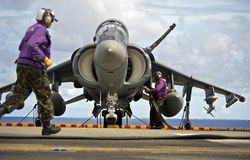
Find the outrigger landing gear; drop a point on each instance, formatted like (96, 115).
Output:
(187, 122)
(188, 90)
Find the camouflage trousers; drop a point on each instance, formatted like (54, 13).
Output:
(31, 79)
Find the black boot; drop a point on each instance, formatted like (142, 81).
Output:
(48, 129)
(159, 125)
(2, 111)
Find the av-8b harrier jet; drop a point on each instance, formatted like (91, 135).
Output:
(113, 72)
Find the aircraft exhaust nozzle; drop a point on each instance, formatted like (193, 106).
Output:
(110, 55)
(172, 104)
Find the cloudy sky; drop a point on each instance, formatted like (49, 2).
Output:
(211, 42)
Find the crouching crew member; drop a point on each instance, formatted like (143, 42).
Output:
(158, 94)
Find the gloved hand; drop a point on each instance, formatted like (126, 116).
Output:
(146, 89)
(48, 62)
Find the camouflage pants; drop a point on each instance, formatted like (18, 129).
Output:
(31, 79)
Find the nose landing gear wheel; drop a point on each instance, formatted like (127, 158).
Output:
(111, 121)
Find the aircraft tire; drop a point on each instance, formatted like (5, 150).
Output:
(119, 120)
(38, 122)
(105, 125)
(111, 121)
(188, 125)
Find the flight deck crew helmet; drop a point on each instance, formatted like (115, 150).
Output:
(45, 16)
(158, 73)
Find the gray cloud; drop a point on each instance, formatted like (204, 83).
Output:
(212, 48)
(19, 5)
(196, 7)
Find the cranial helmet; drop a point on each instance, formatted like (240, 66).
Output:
(45, 16)
(158, 72)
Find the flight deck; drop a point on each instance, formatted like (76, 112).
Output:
(115, 143)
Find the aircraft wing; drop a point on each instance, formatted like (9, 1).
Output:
(61, 72)
(182, 79)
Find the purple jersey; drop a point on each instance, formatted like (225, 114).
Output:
(160, 89)
(35, 46)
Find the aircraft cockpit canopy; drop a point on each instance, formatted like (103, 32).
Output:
(111, 30)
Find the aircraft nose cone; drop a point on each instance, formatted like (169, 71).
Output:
(110, 50)
(110, 55)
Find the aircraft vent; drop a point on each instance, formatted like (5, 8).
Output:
(85, 65)
(136, 65)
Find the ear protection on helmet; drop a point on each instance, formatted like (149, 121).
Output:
(47, 19)
(45, 16)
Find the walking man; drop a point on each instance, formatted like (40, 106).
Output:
(32, 63)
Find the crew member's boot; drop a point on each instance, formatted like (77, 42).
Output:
(159, 125)
(49, 129)
(2, 111)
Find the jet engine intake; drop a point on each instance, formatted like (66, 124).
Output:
(83, 62)
(83, 67)
(138, 72)
(137, 65)
(172, 104)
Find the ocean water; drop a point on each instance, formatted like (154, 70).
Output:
(216, 123)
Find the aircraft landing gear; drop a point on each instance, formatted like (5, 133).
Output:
(38, 122)
(112, 121)
(187, 125)
(187, 122)
(188, 90)
(119, 119)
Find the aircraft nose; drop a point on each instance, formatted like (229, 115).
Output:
(110, 55)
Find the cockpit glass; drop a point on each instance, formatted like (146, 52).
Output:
(112, 31)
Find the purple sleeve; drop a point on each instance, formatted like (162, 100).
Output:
(38, 38)
(21, 44)
(158, 87)
(48, 52)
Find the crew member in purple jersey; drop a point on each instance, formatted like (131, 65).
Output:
(32, 63)
(158, 93)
